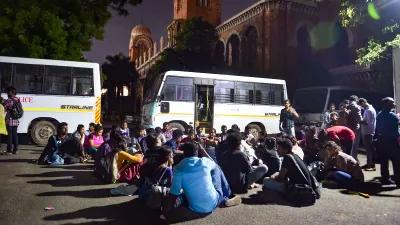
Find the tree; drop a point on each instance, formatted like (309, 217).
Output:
(55, 29)
(193, 50)
(379, 21)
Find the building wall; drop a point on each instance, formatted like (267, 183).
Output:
(190, 9)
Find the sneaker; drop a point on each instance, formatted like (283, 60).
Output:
(235, 200)
(370, 169)
(387, 182)
(14, 153)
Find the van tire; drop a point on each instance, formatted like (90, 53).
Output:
(256, 128)
(176, 126)
(42, 131)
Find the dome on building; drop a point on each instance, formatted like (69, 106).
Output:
(141, 30)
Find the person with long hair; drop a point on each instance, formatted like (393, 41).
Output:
(94, 140)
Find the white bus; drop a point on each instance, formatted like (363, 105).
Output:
(311, 103)
(213, 100)
(52, 91)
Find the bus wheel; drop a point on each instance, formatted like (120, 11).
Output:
(176, 126)
(42, 131)
(255, 130)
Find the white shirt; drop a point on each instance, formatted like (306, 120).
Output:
(298, 151)
(370, 118)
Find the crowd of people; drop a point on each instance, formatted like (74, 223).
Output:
(203, 171)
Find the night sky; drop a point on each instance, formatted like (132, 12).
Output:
(155, 14)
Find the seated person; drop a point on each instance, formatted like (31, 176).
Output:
(202, 181)
(346, 172)
(223, 135)
(269, 156)
(91, 129)
(80, 134)
(190, 137)
(125, 129)
(342, 135)
(143, 142)
(60, 149)
(159, 171)
(94, 140)
(248, 137)
(296, 148)
(175, 142)
(210, 143)
(237, 167)
(289, 173)
(160, 135)
(261, 138)
(154, 145)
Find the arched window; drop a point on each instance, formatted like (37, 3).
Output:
(219, 53)
(340, 49)
(249, 50)
(304, 50)
(232, 52)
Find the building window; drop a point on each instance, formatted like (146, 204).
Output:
(179, 4)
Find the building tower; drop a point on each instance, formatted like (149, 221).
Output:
(140, 43)
(209, 10)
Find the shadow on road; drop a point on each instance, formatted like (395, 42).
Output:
(78, 174)
(266, 197)
(5, 160)
(94, 193)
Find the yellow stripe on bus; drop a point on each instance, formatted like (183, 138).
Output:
(97, 115)
(58, 110)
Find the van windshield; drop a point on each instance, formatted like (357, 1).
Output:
(310, 101)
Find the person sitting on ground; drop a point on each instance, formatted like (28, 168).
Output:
(161, 171)
(91, 129)
(153, 145)
(343, 136)
(269, 156)
(310, 145)
(175, 142)
(202, 181)
(237, 167)
(160, 135)
(296, 148)
(210, 143)
(125, 129)
(79, 134)
(248, 137)
(62, 150)
(143, 141)
(222, 147)
(347, 172)
(141, 132)
(289, 172)
(262, 135)
(94, 140)
(190, 137)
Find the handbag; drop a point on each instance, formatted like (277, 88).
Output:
(301, 194)
(155, 193)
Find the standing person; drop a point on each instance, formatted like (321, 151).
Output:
(368, 125)
(354, 120)
(223, 135)
(343, 113)
(286, 121)
(11, 123)
(3, 129)
(388, 132)
(166, 131)
(326, 116)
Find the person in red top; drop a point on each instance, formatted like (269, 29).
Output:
(340, 134)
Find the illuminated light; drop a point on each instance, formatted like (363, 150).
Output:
(372, 11)
(104, 90)
(125, 91)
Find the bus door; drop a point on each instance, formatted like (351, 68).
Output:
(204, 103)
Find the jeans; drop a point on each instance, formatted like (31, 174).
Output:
(272, 184)
(368, 140)
(389, 150)
(289, 131)
(221, 185)
(356, 144)
(256, 174)
(347, 146)
(344, 180)
(91, 151)
(12, 139)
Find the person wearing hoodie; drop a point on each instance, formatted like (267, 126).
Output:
(202, 181)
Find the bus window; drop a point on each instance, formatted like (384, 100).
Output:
(5, 76)
(28, 78)
(152, 92)
(244, 93)
(263, 94)
(224, 91)
(178, 89)
(82, 81)
(58, 80)
(310, 101)
(277, 94)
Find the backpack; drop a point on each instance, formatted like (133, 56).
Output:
(16, 111)
(155, 193)
(303, 194)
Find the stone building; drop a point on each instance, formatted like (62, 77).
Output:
(300, 41)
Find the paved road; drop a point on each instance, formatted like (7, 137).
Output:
(79, 198)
